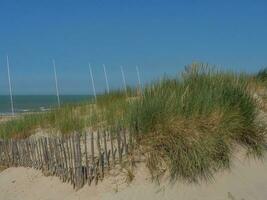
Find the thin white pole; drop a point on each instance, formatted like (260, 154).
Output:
(124, 81)
(10, 86)
(106, 77)
(139, 79)
(92, 80)
(55, 74)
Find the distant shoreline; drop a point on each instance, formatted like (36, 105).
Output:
(36, 103)
(9, 114)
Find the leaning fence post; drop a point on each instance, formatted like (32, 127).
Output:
(100, 155)
(112, 148)
(105, 148)
(86, 158)
(119, 145)
(74, 163)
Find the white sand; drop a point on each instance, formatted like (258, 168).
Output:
(246, 181)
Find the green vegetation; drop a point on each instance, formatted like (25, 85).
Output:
(108, 110)
(260, 86)
(262, 75)
(189, 125)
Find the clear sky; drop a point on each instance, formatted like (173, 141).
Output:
(161, 36)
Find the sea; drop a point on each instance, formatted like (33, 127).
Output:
(37, 103)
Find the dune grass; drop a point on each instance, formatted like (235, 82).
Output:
(260, 86)
(262, 75)
(193, 123)
(67, 119)
(70, 118)
(189, 125)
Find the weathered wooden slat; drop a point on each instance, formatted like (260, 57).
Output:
(29, 160)
(38, 159)
(105, 148)
(119, 145)
(86, 159)
(63, 143)
(34, 165)
(74, 162)
(61, 159)
(92, 148)
(69, 159)
(79, 162)
(52, 157)
(40, 153)
(112, 148)
(44, 154)
(101, 172)
(55, 149)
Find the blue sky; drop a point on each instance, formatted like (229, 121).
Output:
(161, 36)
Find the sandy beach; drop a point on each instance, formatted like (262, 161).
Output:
(247, 180)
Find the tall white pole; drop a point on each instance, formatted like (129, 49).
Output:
(124, 81)
(106, 77)
(92, 80)
(10, 86)
(55, 74)
(139, 79)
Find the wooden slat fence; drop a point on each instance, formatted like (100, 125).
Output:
(77, 158)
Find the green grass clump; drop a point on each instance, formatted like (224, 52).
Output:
(107, 111)
(67, 119)
(259, 87)
(262, 75)
(19, 128)
(191, 123)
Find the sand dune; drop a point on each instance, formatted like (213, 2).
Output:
(247, 180)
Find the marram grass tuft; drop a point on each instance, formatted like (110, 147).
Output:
(192, 124)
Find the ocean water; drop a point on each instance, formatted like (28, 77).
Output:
(36, 103)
